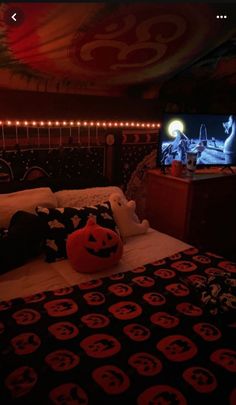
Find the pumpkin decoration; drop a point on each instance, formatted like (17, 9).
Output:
(93, 248)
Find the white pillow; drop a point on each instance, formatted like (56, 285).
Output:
(26, 200)
(86, 197)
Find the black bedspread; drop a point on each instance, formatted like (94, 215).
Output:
(141, 337)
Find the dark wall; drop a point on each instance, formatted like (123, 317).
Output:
(35, 105)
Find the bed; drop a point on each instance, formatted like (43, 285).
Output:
(143, 332)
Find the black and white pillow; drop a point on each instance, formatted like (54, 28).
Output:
(63, 221)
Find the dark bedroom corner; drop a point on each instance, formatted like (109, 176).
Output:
(117, 203)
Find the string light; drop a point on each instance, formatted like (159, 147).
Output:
(110, 124)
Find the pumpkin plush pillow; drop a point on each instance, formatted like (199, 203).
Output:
(63, 221)
(93, 248)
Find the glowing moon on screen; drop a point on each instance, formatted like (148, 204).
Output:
(176, 124)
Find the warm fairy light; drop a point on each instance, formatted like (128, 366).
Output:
(86, 123)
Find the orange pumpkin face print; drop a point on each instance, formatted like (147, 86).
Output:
(137, 332)
(63, 330)
(225, 358)
(26, 316)
(207, 331)
(178, 289)
(61, 307)
(94, 298)
(164, 320)
(87, 285)
(161, 395)
(95, 321)
(125, 310)
(35, 297)
(228, 266)
(202, 259)
(184, 266)
(145, 364)
(177, 348)
(189, 309)
(93, 248)
(62, 360)
(144, 281)
(111, 379)
(201, 379)
(154, 298)
(25, 343)
(21, 381)
(120, 289)
(68, 394)
(165, 273)
(100, 345)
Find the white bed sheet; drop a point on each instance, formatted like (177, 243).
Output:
(38, 275)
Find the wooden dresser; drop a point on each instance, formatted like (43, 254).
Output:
(200, 210)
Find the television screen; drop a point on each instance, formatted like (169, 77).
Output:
(211, 137)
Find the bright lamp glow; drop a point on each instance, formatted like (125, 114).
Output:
(175, 125)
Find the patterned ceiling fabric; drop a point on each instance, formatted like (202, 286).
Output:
(104, 49)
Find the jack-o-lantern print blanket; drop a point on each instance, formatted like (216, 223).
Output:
(141, 337)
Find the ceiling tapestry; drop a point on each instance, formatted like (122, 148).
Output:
(105, 49)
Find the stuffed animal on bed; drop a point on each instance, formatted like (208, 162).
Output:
(125, 217)
(93, 248)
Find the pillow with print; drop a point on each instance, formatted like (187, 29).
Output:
(63, 221)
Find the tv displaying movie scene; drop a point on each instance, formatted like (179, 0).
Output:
(211, 137)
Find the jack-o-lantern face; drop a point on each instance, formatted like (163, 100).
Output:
(88, 285)
(164, 320)
(177, 348)
(139, 269)
(121, 290)
(201, 379)
(117, 276)
(207, 331)
(4, 305)
(189, 309)
(95, 321)
(93, 248)
(165, 273)
(63, 291)
(197, 280)
(35, 297)
(228, 266)
(144, 281)
(225, 358)
(202, 259)
(21, 381)
(145, 364)
(184, 266)
(69, 394)
(137, 332)
(176, 256)
(61, 307)
(26, 316)
(178, 289)
(111, 379)
(25, 343)
(154, 298)
(63, 330)
(125, 310)
(100, 345)
(94, 298)
(159, 262)
(214, 271)
(191, 251)
(161, 395)
(62, 360)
